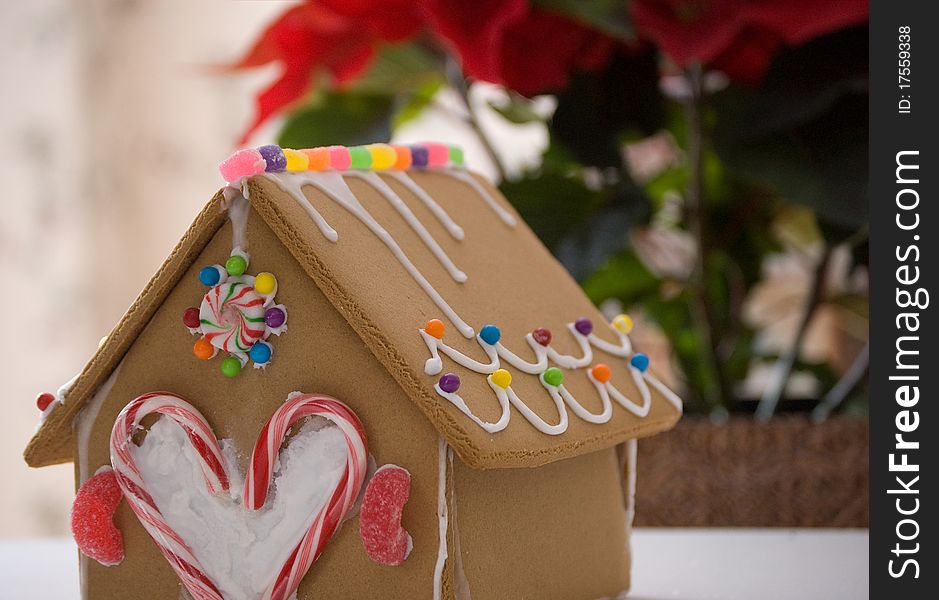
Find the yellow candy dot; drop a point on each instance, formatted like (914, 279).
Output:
(265, 283)
(383, 156)
(502, 378)
(296, 160)
(623, 324)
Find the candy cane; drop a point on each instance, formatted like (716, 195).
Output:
(343, 496)
(177, 552)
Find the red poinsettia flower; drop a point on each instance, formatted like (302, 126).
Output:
(334, 37)
(509, 42)
(739, 37)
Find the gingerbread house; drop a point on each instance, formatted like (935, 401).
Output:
(358, 375)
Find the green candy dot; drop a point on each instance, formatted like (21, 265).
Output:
(553, 376)
(236, 265)
(231, 366)
(360, 157)
(456, 156)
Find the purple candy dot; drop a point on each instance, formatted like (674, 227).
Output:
(583, 326)
(274, 317)
(449, 383)
(274, 157)
(419, 156)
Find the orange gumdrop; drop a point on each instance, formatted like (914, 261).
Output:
(402, 157)
(435, 327)
(203, 349)
(319, 159)
(601, 373)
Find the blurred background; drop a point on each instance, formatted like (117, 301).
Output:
(700, 164)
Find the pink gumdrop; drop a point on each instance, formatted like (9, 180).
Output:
(93, 519)
(386, 541)
(438, 155)
(339, 158)
(244, 163)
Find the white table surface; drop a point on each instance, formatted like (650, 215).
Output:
(669, 564)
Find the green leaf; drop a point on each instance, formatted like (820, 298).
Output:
(609, 16)
(400, 68)
(415, 103)
(339, 118)
(623, 277)
(516, 109)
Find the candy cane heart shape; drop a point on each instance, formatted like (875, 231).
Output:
(257, 484)
(343, 495)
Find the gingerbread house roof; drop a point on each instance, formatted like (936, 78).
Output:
(396, 250)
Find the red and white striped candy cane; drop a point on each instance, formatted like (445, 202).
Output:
(257, 484)
(343, 495)
(176, 551)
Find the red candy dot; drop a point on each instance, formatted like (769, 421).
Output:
(542, 336)
(191, 317)
(601, 373)
(43, 400)
(92, 519)
(386, 541)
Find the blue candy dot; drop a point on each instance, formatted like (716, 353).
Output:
(640, 361)
(260, 353)
(490, 334)
(209, 276)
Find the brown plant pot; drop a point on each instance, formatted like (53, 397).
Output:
(788, 473)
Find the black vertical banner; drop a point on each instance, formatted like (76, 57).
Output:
(904, 372)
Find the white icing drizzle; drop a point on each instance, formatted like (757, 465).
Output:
(442, 516)
(630, 483)
(334, 186)
(559, 394)
(383, 188)
(85, 419)
(449, 224)
(469, 180)
(238, 215)
(461, 589)
(293, 186)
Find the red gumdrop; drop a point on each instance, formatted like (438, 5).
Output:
(386, 541)
(93, 519)
(43, 401)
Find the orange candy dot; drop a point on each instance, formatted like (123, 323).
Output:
(203, 349)
(436, 328)
(319, 159)
(601, 373)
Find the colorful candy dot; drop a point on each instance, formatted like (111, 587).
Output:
(435, 328)
(260, 353)
(43, 401)
(230, 367)
(456, 156)
(318, 159)
(542, 336)
(490, 334)
(438, 155)
(501, 378)
(296, 160)
(640, 361)
(243, 163)
(360, 157)
(339, 158)
(553, 376)
(383, 156)
(236, 265)
(274, 317)
(623, 324)
(210, 276)
(601, 372)
(203, 349)
(419, 156)
(449, 382)
(274, 158)
(191, 317)
(402, 157)
(265, 283)
(584, 326)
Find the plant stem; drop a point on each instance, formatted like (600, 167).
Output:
(701, 309)
(783, 367)
(848, 382)
(458, 82)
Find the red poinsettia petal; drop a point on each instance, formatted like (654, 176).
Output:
(476, 30)
(748, 57)
(387, 20)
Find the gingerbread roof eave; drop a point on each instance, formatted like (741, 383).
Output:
(388, 341)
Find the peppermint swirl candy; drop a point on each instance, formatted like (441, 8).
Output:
(232, 317)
